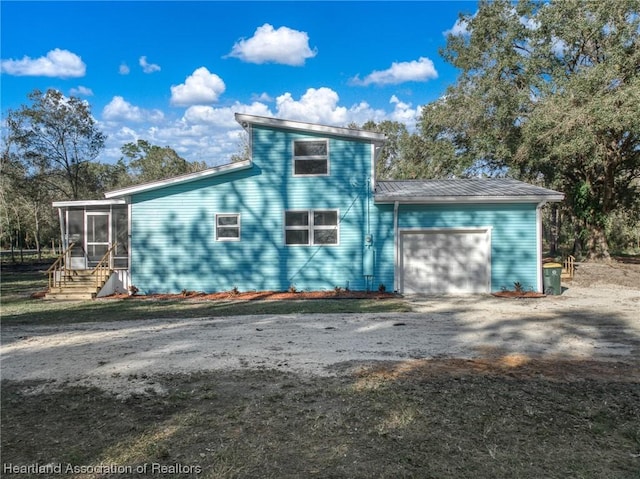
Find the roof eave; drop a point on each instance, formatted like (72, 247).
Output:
(198, 175)
(246, 120)
(78, 203)
(468, 199)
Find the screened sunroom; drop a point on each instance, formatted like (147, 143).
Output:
(95, 237)
(93, 228)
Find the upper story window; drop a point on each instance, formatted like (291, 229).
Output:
(228, 227)
(315, 227)
(310, 157)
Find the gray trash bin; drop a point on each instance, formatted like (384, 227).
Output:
(551, 275)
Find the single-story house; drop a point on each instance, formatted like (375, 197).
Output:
(305, 210)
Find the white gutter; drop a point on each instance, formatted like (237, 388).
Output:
(376, 151)
(62, 232)
(246, 120)
(467, 199)
(198, 175)
(79, 203)
(396, 249)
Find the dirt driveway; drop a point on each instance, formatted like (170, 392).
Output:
(598, 322)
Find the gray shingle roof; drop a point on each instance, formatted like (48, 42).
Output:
(470, 190)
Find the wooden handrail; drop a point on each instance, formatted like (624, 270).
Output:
(103, 267)
(569, 267)
(59, 265)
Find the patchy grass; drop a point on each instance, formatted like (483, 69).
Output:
(19, 308)
(15, 286)
(426, 421)
(446, 418)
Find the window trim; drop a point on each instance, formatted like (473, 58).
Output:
(238, 226)
(311, 228)
(295, 158)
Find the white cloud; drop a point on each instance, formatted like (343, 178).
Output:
(459, 29)
(58, 63)
(118, 109)
(124, 69)
(264, 96)
(81, 91)
(211, 134)
(420, 70)
(404, 113)
(284, 46)
(148, 67)
(223, 117)
(315, 106)
(200, 87)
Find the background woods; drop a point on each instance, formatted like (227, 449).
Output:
(547, 93)
(50, 153)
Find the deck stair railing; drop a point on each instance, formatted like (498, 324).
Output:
(73, 284)
(57, 272)
(569, 267)
(103, 269)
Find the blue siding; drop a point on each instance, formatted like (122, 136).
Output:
(382, 231)
(513, 236)
(173, 246)
(173, 229)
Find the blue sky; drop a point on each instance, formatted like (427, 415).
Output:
(173, 73)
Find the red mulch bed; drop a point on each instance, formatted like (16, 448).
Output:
(261, 295)
(518, 294)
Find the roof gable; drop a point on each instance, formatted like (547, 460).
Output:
(198, 175)
(246, 121)
(355, 134)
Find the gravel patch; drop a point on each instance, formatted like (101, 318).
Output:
(600, 324)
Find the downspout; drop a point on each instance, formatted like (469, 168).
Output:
(128, 282)
(396, 248)
(377, 151)
(540, 287)
(62, 232)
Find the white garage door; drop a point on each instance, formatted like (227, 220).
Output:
(445, 261)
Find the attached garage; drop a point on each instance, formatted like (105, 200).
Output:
(465, 236)
(451, 261)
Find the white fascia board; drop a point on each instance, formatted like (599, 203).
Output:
(468, 199)
(246, 120)
(176, 180)
(79, 203)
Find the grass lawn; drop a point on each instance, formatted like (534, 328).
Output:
(439, 418)
(19, 308)
(266, 424)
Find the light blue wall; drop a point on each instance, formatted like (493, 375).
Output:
(173, 246)
(513, 236)
(173, 229)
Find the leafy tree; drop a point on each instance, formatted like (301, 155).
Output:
(405, 155)
(244, 149)
(147, 162)
(549, 91)
(25, 205)
(392, 153)
(56, 138)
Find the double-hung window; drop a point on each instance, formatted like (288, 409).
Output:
(313, 227)
(228, 227)
(310, 157)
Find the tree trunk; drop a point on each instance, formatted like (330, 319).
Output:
(597, 246)
(37, 234)
(553, 241)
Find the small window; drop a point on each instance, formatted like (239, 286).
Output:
(310, 157)
(311, 227)
(325, 227)
(228, 227)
